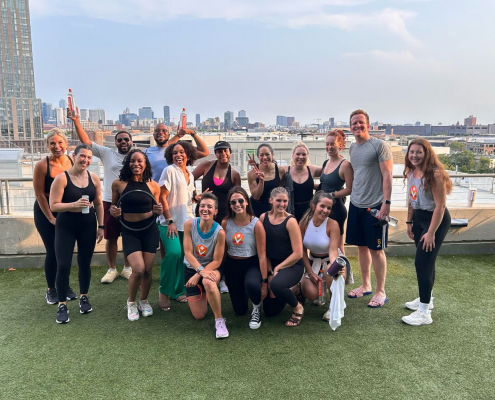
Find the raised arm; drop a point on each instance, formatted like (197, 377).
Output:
(256, 188)
(81, 133)
(201, 147)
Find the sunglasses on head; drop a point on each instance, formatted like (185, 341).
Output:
(235, 201)
(120, 140)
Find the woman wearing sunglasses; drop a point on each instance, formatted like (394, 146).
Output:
(245, 261)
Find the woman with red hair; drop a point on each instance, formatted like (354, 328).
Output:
(428, 221)
(336, 171)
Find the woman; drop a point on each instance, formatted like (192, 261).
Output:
(176, 191)
(263, 178)
(245, 259)
(284, 253)
(336, 172)
(321, 236)
(204, 244)
(138, 211)
(428, 221)
(299, 181)
(45, 172)
(71, 196)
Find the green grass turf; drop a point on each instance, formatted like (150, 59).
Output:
(170, 355)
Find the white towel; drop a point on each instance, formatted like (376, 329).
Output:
(337, 303)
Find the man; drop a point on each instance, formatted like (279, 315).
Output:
(372, 162)
(112, 164)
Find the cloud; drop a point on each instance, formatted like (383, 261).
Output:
(401, 57)
(289, 13)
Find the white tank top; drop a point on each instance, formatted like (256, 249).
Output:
(315, 239)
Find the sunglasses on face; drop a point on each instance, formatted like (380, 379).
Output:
(234, 202)
(120, 140)
(160, 130)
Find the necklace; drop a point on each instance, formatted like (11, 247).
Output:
(316, 227)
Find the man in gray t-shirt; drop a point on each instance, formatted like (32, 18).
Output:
(371, 160)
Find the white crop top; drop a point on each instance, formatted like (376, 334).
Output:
(315, 239)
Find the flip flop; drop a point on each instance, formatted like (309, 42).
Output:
(359, 292)
(379, 300)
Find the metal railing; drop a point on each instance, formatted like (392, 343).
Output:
(28, 197)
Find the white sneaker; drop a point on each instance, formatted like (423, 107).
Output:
(417, 318)
(132, 311)
(145, 308)
(255, 322)
(221, 328)
(223, 287)
(414, 305)
(110, 276)
(326, 316)
(126, 272)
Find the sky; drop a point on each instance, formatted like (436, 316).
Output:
(400, 60)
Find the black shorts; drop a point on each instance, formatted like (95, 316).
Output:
(145, 241)
(361, 230)
(194, 291)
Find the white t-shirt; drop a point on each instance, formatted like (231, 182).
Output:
(112, 164)
(180, 195)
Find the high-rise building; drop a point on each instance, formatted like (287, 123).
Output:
(83, 114)
(228, 119)
(332, 122)
(98, 115)
(146, 113)
(20, 110)
(242, 114)
(59, 116)
(242, 121)
(281, 120)
(166, 115)
(62, 103)
(46, 111)
(470, 121)
(198, 120)
(290, 120)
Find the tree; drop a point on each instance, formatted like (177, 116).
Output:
(456, 147)
(483, 165)
(464, 160)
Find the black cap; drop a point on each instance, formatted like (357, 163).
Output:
(222, 144)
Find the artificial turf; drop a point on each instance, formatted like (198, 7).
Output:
(170, 355)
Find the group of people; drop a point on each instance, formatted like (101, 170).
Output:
(266, 246)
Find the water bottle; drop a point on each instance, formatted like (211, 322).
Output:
(183, 119)
(71, 102)
(391, 220)
(322, 288)
(85, 210)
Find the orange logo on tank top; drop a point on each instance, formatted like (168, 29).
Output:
(413, 193)
(238, 238)
(201, 250)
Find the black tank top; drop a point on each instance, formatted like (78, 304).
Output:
(277, 239)
(48, 178)
(331, 182)
(218, 190)
(303, 192)
(268, 186)
(73, 193)
(136, 202)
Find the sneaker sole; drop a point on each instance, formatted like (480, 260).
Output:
(49, 302)
(62, 322)
(222, 336)
(132, 319)
(252, 326)
(86, 312)
(146, 314)
(417, 324)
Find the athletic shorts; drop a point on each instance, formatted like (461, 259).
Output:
(361, 230)
(194, 291)
(145, 241)
(112, 226)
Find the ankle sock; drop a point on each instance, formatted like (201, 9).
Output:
(424, 307)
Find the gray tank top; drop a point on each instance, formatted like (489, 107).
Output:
(203, 243)
(241, 241)
(418, 198)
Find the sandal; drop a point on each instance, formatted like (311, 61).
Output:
(164, 303)
(295, 319)
(358, 292)
(181, 299)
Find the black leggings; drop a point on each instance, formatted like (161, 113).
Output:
(47, 232)
(425, 261)
(243, 278)
(69, 229)
(339, 213)
(281, 285)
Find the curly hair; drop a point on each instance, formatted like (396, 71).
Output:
(319, 196)
(428, 167)
(340, 137)
(241, 191)
(189, 149)
(126, 173)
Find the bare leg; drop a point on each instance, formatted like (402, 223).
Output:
(146, 281)
(136, 277)
(198, 306)
(365, 265)
(309, 289)
(213, 295)
(380, 268)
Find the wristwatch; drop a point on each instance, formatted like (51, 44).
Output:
(200, 268)
(170, 221)
(388, 202)
(101, 226)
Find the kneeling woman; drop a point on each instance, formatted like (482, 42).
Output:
(245, 261)
(284, 252)
(204, 244)
(71, 195)
(140, 233)
(321, 236)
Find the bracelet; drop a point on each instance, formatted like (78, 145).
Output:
(265, 280)
(409, 222)
(101, 226)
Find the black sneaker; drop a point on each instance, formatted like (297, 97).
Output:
(51, 296)
(62, 314)
(84, 305)
(70, 294)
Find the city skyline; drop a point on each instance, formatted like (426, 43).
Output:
(400, 60)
